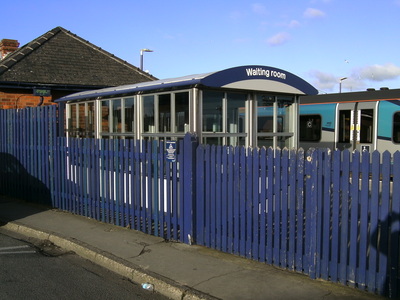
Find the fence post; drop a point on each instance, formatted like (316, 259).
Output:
(311, 177)
(189, 182)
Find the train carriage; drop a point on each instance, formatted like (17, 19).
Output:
(367, 120)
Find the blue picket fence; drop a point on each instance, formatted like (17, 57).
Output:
(124, 182)
(328, 214)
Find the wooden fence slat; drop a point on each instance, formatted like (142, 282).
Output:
(344, 221)
(200, 212)
(311, 212)
(393, 283)
(284, 208)
(248, 209)
(300, 211)
(374, 209)
(255, 205)
(263, 204)
(292, 210)
(236, 203)
(335, 211)
(270, 205)
(230, 203)
(277, 207)
(325, 212)
(218, 198)
(364, 201)
(242, 202)
(225, 207)
(354, 214)
(382, 282)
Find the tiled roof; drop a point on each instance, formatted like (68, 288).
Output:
(60, 57)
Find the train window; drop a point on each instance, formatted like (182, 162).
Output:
(344, 126)
(310, 128)
(396, 127)
(367, 126)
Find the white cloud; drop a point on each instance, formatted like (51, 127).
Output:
(313, 13)
(323, 81)
(278, 39)
(295, 23)
(259, 9)
(329, 83)
(379, 72)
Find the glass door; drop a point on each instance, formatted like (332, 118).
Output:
(356, 128)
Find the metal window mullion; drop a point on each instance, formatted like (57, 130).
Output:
(98, 119)
(139, 113)
(251, 119)
(275, 122)
(173, 112)
(224, 118)
(122, 115)
(156, 114)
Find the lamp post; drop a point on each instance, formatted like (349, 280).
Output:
(141, 56)
(340, 83)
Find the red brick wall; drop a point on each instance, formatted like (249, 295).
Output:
(16, 100)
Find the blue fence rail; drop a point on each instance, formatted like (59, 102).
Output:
(328, 214)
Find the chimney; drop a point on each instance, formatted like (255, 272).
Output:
(7, 46)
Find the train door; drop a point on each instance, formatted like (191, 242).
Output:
(356, 126)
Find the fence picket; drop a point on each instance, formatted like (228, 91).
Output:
(374, 209)
(383, 254)
(344, 220)
(364, 204)
(393, 282)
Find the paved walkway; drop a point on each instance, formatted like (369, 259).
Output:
(176, 270)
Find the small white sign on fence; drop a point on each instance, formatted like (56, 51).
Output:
(170, 149)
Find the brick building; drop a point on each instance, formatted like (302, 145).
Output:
(56, 64)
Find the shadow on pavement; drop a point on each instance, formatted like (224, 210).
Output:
(17, 188)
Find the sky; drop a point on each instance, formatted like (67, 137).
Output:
(320, 41)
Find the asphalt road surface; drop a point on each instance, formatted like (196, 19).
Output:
(44, 271)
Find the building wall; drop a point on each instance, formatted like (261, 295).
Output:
(20, 99)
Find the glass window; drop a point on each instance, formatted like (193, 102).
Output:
(116, 115)
(236, 112)
(89, 120)
(212, 111)
(344, 126)
(367, 125)
(310, 128)
(278, 131)
(396, 127)
(164, 110)
(105, 115)
(130, 114)
(148, 113)
(182, 112)
(73, 120)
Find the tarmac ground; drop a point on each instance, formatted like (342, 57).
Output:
(176, 270)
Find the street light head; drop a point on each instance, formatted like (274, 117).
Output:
(146, 50)
(343, 78)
